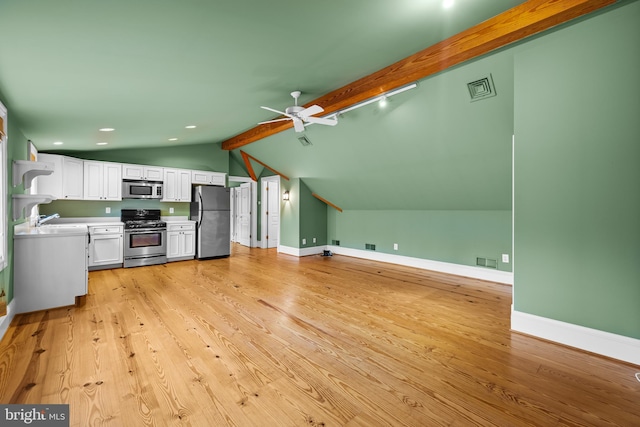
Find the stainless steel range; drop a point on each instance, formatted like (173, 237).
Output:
(144, 237)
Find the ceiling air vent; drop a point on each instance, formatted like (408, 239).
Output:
(304, 141)
(482, 88)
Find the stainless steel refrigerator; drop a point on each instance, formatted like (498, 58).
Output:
(210, 208)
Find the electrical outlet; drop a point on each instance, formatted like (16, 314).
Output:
(107, 210)
(170, 210)
(395, 246)
(304, 241)
(314, 240)
(505, 258)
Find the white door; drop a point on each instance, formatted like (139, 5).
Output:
(234, 210)
(270, 211)
(244, 215)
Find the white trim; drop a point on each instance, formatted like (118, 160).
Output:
(4, 190)
(592, 340)
(264, 206)
(240, 179)
(491, 275)
(313, 250)
(5, 321)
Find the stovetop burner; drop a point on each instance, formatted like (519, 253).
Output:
(142, 218)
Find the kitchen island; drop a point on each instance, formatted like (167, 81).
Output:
(50, 266)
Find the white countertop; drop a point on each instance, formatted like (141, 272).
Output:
(50, 230)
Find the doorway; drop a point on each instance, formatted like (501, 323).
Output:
(270, 212)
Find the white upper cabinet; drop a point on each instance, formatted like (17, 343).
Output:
(177, 185)
(67, 180)
(208, 178)
(102, 181)
(142, 172)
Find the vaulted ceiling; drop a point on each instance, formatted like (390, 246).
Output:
(150, 68)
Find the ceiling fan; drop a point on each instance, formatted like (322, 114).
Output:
(301, 115)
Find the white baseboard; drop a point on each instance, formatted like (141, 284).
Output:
(5, 321)
(425, 264)
(491, 275)
(313, 250)
(592, 340)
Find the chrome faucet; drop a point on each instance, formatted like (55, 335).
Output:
(43, 218)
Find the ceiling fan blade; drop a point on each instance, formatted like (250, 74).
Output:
(298, 125)
(321, 121)
(274, 120)
(276, 111)
(314, 109)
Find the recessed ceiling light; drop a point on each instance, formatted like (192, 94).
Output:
(173, 139)
(446, 4)
(58, 143)
(106, 130)
(101, 143)
(190, 127)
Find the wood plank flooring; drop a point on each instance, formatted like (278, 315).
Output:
(265, 339)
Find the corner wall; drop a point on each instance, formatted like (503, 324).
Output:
(577, 175)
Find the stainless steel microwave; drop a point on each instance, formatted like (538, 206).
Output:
(141, 189)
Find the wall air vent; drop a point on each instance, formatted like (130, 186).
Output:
(304, 141)
(486, 262)
(481, 88)
(370, 246)
(335, 242)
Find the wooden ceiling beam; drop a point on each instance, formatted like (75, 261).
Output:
(524, 20)
(247, 162)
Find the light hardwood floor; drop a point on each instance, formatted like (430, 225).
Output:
(264, 339)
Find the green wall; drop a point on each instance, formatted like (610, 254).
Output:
(577, 174)
(302, 216)
(449, 236)
(208, 157)
(16, 150)
(290, 214)
(82, 208)
(313, 218)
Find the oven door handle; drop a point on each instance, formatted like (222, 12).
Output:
(145, 231)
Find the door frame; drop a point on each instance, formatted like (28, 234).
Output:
(264, 206)
(253, 240)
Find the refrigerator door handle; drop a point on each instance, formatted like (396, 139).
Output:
(199, 211)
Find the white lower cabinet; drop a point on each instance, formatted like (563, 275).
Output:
(106, 246)
(181, 240)
(50, 269)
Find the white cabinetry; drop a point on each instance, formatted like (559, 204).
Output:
(177, 185)
(66, 181)
(50, 267)
(181, 240)
(142, 172)
(106, 246)
(102, 181)
(208, 178)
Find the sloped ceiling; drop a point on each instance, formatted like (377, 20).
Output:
(148, 68)
(430, 148)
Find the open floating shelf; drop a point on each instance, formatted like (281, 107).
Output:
(28, 170)
(21, 201)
